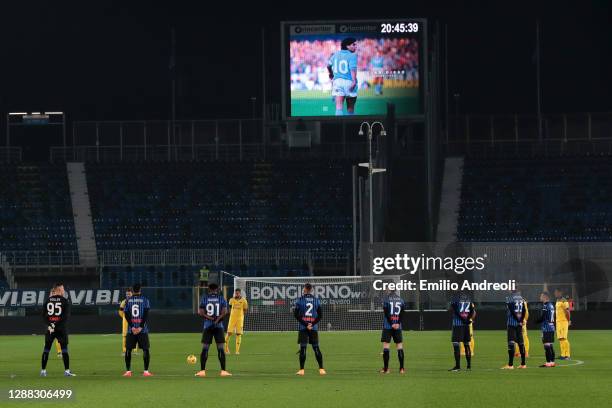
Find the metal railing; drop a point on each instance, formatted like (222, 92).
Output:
(10, 154)
(40, 258)
(219, 257)
(207, 152)
(264, 256)
(489, 135)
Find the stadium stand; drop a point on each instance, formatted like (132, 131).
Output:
(35, 209)
(286, 204)
(186, 275)
(546, 199)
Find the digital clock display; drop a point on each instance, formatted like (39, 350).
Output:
(388, 28)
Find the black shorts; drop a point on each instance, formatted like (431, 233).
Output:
(515, 334)
(388, 334)
(142, 339)
(461, 334)
(213, 333)
(548, 337)
(60, 334)
(308, 337)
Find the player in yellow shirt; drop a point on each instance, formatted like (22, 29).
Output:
(562, 313)
(236, 321)
(525, 337)
(124, 323)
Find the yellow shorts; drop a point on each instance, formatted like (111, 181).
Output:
(235, 326)
(562, 329)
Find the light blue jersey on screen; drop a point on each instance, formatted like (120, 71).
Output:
(342, 63)
(378, 63)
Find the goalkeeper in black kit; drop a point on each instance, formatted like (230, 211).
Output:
(55, 314)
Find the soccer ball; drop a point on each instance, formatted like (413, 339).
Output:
(191, 359)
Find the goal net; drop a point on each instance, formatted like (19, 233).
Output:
(348, 302)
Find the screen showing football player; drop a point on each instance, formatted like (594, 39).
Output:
(547, 324)
(515, 319)
(235, 325)
(137, 313)
(463, 312)
(213, 308)
(56, 311)
(308, 313)
(393, 308)
(342, 69)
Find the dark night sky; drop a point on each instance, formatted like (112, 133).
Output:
(110, 61)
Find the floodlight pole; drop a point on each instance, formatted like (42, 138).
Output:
(370, 128)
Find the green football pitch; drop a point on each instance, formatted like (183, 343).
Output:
(264, 373)
(319, 103)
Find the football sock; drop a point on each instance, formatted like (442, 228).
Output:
(128, 359)
(548, 353)
(400, 357)
(552, 353)
(238, 342)
(203, 357)
(522, 351)
(45, 359)
(339, 112)
(468, 354)
(567, 348)
(146, 357)
(227, 337)
(66, 359)
(457, 352)
(511, 354)
(221, 355)
(302, 356)
(386, 359)
(318, 355)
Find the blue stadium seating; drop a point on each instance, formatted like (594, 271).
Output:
(297, 204)
(546, 199)
(35, 208)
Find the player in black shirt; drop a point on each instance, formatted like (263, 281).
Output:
(56, 311)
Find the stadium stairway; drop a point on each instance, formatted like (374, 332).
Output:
(450, 200)
(81, 210)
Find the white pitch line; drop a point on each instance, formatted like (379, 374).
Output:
(575, 363)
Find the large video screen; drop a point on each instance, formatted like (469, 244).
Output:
(353, 68)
